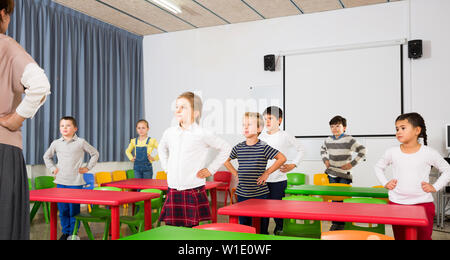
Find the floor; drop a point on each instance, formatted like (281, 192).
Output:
(41, 231)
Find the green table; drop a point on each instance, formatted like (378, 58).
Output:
(337, 191)
(182, 233)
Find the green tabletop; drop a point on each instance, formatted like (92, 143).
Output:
(182, 233)
(337, 191)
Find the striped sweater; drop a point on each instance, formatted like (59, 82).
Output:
(338, 151)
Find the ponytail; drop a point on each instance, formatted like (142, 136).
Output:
(417, 121)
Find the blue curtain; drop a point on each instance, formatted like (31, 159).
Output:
(96, 75)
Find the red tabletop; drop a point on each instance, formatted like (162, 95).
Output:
(409, 216)
(80, 196)
(162, 185)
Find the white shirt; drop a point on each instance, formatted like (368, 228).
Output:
(410, 170)
(283, 142)
(183, 153)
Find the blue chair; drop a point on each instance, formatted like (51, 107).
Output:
(90, 181)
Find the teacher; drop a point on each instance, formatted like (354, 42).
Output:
(19, 74)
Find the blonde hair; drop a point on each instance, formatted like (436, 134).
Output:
(196, 103)
(258, 117)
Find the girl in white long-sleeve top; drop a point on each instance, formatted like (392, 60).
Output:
(411, 164)
(183, 153)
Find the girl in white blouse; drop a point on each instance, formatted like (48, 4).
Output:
(411, 164)
(183, 153)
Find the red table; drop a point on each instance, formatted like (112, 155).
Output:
(162, 185)
(409, 216)
(113, 199)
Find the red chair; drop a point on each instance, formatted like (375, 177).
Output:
(228, 227)
(225, 177)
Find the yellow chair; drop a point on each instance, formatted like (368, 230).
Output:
(161, 175)
(102, 177)
(353, 235)
(119, 175)
(321, 179)
(380, 186)
(336, 198)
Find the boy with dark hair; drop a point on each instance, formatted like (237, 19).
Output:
(69, 150)
(336, 154)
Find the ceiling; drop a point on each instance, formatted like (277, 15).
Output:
(145, 17)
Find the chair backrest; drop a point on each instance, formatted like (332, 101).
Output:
(103, 177)
(223, 176)
(161, 175)
(119, 175)
(302, 228)
(130, 174)
(353, 235)
(228, 227)
(294, 178)
(44, 182)
(338, 184)
(321, 179)
(30, 184)
(375, 228)
(108, 188)
(156, 202)
(90, 181)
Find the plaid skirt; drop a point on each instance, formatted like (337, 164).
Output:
(186, 207)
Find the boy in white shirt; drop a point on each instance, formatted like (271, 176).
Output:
(283, 142)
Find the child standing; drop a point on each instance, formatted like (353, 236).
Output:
(283, 142)
(411, 163)
(183, 152)
(143, 147)
(336, 154)
(69, 150)
(252, 155)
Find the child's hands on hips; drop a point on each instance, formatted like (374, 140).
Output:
(391, 184)
(262, 179)
(428, 188)
(203, 173)
(83, 170)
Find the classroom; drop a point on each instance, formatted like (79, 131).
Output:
(336, 99)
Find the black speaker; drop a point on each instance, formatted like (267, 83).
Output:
(269, 62)
(415, 49)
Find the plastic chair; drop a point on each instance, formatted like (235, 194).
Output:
(119, 175)
(225, 177)
(227, 227)
(336, 198)
(103, 177)
(136, 223)
(42, 182)
(130, 174)
(308, 228)
(295, 178)
(161, 175)
(321, 179)
(97, 214)
(379, 228)
(90, 181)
(353, 235)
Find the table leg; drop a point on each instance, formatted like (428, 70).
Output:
(53, 220)
(256, 222)
(115, 223)
(214, 205)
(148, 214)
(234, 219)
(410, 233)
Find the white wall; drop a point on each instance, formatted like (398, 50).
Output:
(222, 62)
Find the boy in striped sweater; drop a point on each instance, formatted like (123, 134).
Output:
(336, 154)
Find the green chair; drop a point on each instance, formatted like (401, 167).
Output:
(97, 214)
(130, 174)
(302, 228)
(136, 223)
(379, 228)
(42, 182)
(295, 179)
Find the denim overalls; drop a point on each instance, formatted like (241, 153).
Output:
(143, 168)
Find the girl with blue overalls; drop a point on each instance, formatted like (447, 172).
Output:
(143, 147)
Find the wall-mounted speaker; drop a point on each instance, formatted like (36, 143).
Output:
(269, 62)
(415, 49)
